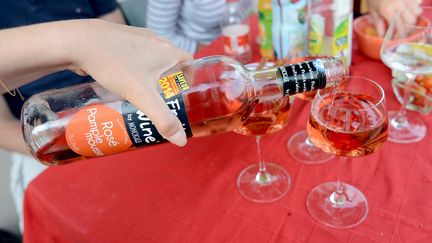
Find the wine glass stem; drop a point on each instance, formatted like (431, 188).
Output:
(400, 121)
(338, 197)
(308, 142)
(262, 166)
(262, 177)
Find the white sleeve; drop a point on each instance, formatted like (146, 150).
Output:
(162, 17)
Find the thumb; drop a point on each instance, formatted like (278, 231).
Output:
(149, 101)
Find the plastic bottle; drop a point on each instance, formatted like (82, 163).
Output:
(289, 28)
(236, 33)
(331, 18)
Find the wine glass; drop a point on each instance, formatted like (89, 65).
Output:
(299, 145)
(407, 49)
(265, 182)
(348, 121)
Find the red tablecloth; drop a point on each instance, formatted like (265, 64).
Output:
(170, 194)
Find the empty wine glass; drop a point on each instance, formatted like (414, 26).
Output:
(347, 121)
(407, 50)
(265, 182)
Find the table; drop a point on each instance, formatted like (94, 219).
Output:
(170, 194)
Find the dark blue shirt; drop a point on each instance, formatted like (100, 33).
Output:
(25, 12)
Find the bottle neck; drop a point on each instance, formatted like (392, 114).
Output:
(263, 79)
(301, 77)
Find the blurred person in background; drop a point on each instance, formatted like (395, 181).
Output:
(189, 24)
(192, 24)
(382, 12)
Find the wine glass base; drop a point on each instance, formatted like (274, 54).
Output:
(346, 212)
(414, 130)
(271, 186)
(305, 153)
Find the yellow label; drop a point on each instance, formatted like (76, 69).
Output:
(316, 34)
(341, 33)
(173, 84)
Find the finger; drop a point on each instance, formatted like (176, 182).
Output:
(393, 16)
(414, 5)
(151, 103)
(148, 99)
(400, 27)
(415, 9)
(407, 17)
(387, 13)
(379, 23)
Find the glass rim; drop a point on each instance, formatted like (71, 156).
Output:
(375, 104)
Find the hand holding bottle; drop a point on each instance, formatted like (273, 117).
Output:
(126, 60)
(383, 12)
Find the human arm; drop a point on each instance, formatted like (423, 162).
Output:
(10, 130)
(125, 60)
(162, 17)
(383, 12)
(115, 16)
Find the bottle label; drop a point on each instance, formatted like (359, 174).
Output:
(302, 77)
(343, 36)
(100, 130)
(236, 39)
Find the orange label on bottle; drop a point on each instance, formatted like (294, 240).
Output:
(97, 130)
(173, 84)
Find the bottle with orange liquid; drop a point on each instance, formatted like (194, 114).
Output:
(209, 95)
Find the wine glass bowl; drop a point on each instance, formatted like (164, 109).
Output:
(420, 99)
(349, 120)
(266, 117)
(348, 123)
(270, 113)
(264, 182)
(406, 50)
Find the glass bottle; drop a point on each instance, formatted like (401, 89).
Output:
(209, 95)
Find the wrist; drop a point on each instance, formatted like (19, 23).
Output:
(78, 44)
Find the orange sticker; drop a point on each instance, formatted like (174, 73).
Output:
(97, 130)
